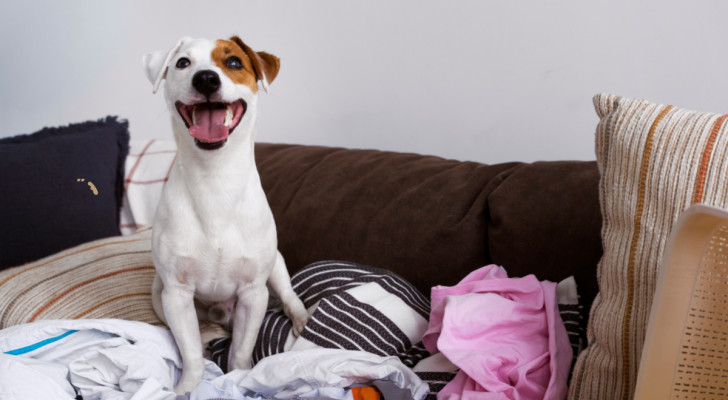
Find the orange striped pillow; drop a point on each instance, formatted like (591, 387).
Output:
(107, 278)
(655, 161)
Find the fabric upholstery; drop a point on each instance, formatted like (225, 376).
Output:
(61, 187)
(545, 219)
(106, 278)
(148, 166)
(421, 217)
(655, 161)
(432, 220)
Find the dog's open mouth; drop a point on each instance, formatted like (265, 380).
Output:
(210, 123)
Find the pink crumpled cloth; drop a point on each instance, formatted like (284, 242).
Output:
(505, 335)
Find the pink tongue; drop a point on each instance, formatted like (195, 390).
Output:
(210, 125)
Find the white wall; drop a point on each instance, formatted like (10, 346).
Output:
(483, 80)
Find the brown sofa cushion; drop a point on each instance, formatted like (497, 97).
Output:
(545, 220)
(433, 220)
(422, 217)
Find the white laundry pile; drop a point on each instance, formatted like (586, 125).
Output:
(116, 359)
(317, 373)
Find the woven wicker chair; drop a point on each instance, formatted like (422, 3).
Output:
(686, 348)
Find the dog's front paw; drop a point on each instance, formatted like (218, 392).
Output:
(299, 324)
(238, 363)
(190, 377)
(299, 317)
(297, 313)
(184, 386)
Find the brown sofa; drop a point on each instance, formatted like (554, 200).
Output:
(433, 220)
(430, 220)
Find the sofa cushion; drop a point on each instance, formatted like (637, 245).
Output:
(62, 187)
(655, 161)
(105, 278)
(545, 220)
(421, 217)
(148, 167)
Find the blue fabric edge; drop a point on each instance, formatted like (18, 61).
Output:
(35, 346)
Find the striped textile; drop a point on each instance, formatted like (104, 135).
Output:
(148, 166)
(571, 311)
(655, 161)
(573, 317)
(356, 308)
(107, 278)
(436, 381)
(342, 320)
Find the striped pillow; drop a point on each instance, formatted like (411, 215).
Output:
(357, 307)
(655, 161)
(107, 278)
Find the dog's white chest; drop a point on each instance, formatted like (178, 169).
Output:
(214, 267)
(210, 244)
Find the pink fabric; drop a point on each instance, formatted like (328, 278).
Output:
(505, 335)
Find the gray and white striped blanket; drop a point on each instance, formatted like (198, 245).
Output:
(357, 307)
(354, 307)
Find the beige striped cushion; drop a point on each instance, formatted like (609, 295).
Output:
(107, 278)
(655, 161)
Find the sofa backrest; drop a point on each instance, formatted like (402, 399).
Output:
(432, 220)
(544, 219)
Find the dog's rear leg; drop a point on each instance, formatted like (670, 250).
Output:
(157, 287)
(279, 283)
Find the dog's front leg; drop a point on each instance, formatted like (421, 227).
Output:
(279, 282)
(249, 314)
(179, 310)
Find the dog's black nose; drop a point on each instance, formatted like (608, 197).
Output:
(206, 82)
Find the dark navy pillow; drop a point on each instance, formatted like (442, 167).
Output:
(60, 187)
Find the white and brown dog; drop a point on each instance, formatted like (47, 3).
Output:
(214, 238)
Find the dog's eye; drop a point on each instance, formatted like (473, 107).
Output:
(234, 62)
(183, 63)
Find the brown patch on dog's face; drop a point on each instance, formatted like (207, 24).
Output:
(235, 63)
(266, 65)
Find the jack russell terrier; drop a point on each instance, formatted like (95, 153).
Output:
(214, 239)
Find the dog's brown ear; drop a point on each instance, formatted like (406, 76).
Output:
(266, 65)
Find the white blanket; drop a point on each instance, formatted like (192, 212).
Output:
(116, 359)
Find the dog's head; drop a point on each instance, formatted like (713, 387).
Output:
(211, 85)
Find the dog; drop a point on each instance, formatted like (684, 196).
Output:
(214, 240)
